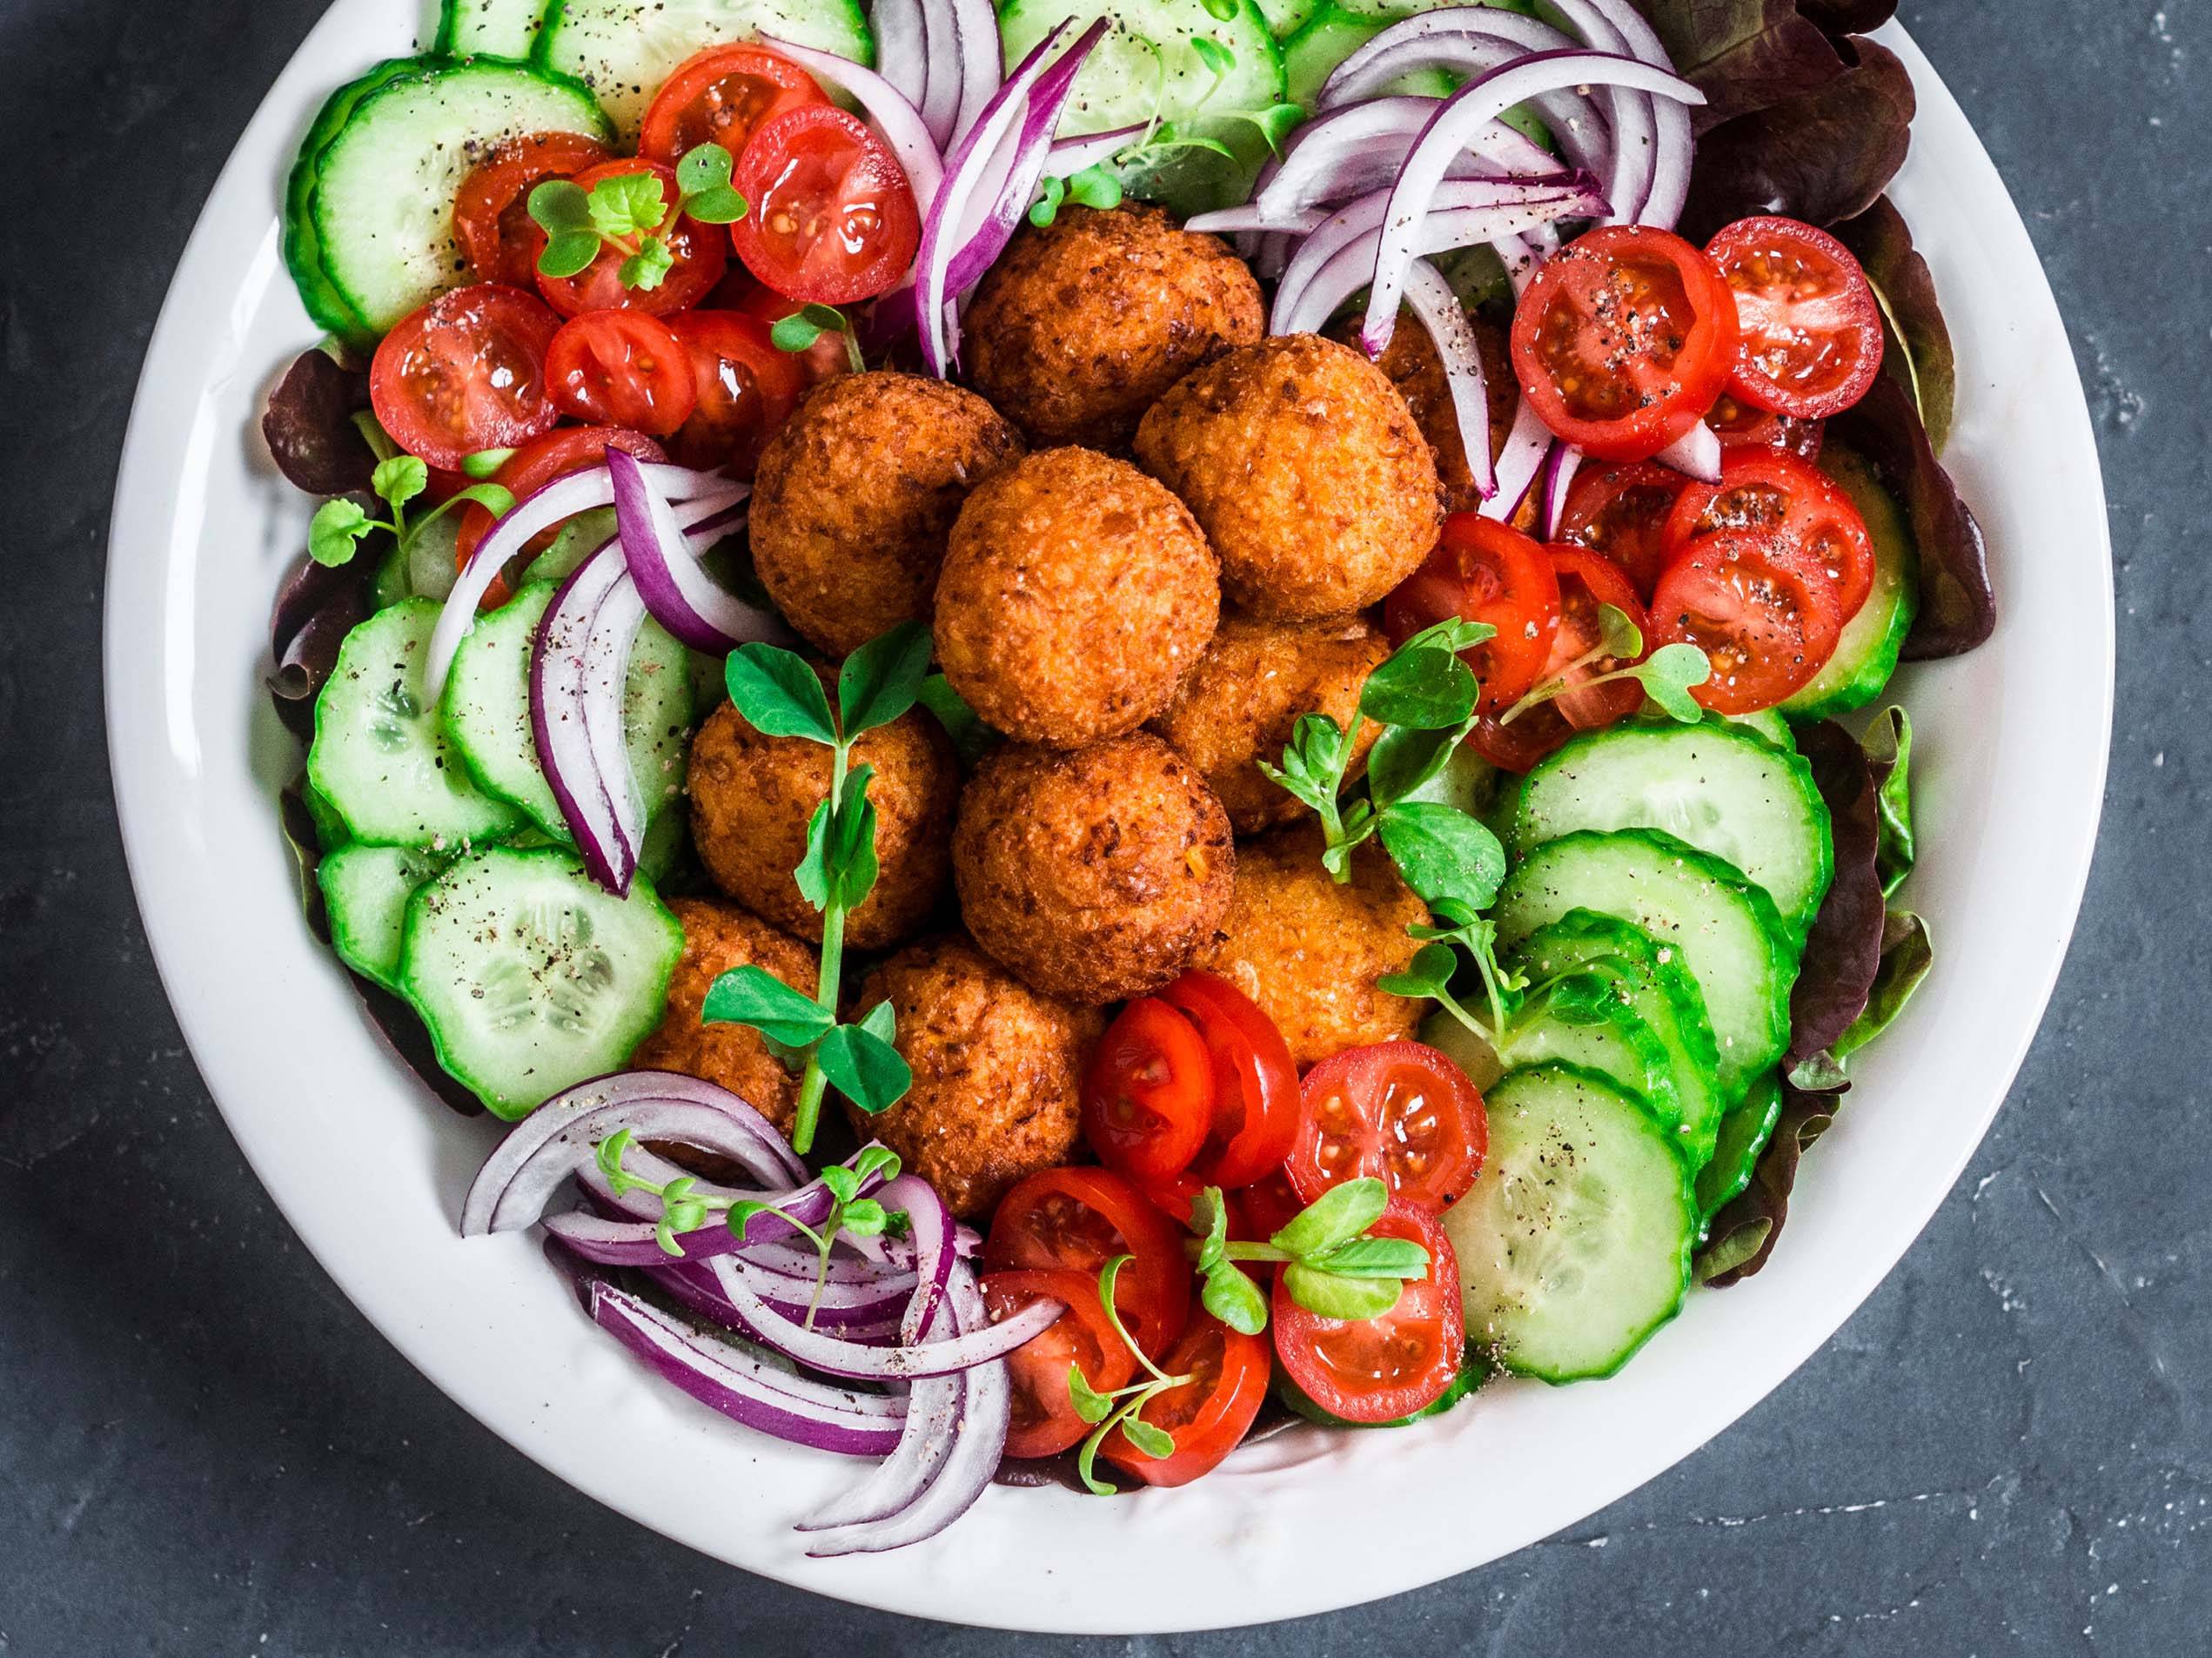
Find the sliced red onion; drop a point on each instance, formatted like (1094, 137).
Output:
(1482, 99)
(1697, 451)
(873, 1322)
(607, 674)
(1674, 148)
(981, 59)
(1558, 478)
(981, 1418)
(747, 1388)
(611, 1242)
(675, 588)
(902, 48)
(835, 1356)
(888, 109)
(1360, 147)
(1069, 156)
(932, 1424)
(1445, 319)
(562, 499)
(930, 1230)
(561, 668)
(1635, 130)
(1526, 445)
(1251, 215)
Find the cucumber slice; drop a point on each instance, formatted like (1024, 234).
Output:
(1714, 786)
(1649, 977)
(366, 890)
(1744, 1133)
(1866, 656)
(1769, 724)
(1330, 33)
(624, 48)
(380, 756)
(384, 189)
(1146, 67)
(1574, 1242)
(1731, 938)
(487, 711)
(530, 976)
(331, 832)
(489, 28)
(303, 244)
(574, 542)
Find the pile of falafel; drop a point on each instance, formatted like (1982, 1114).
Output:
(1147, 541)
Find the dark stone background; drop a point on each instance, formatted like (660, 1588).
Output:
(203, 1449)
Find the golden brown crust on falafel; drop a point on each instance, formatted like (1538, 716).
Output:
(751, 796)
(1081, 326)
(1309, 950)
(1075, 594)
(997, 1072)
(1411, 364)
(1096, 875)
(856, 493)
(1257, 679)
(1306, 470)
(717, 937)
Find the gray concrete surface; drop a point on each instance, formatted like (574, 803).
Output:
(203, 1450)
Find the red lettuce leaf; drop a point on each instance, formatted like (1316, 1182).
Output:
(1917, 343)
(1843, 949)
(1848, 17)
(1742, 1236)
(317, 607)
(309, 428)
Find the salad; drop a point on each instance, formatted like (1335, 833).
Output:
(1109, 726)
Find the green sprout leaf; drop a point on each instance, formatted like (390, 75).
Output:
(844, 1184)
(1095, 187)
(1442, 853)
(864, 1068)
(648, 267)
(1220, 11)
(877, 1159)
(1150, 1441)
(1428, 976)
(740, 1215)
(779, 694)
(336, 531)
(881, 680)
(881, 1022)
(495, 499)
(1220, 61)
(560, 206)
(1091, 1405)
(1403, 761)
(399, 479)
(570, 253)
(1313, 765)
(799, 330)
(1209, 1219)
(1421, 687)
(1045, 208)
(723, 206)
(1327, 1295)
(865, 1218)
(850, 856)
(1339, 1215)
(485, 462)
(754, 997)
(1618, 633)
(1398, 1258)
(1230, 1294)
(1275, 123)
(971, 738)
(703, 176)
(1169, 136)
(1667, 675)
(626, 204)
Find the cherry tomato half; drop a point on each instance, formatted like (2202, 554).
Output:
(1761, 607)
(1624, 339)
(745, 388)
(468, 372)
(1045, 1422)
(722, 96)
(1207, 1415)
(700, 253)
(1264, 1208)
(1256, 1084)
(833, 217)
(1587, 581)
(1481, 570)
(1079, 1220)
(1529, 737)
(1767, 489)
(1619, 509)
(1811, 326)
(1394, 1110)
(825, 359)
(1380, 1369)
(1738, 422)
(621, 368)
(492, 209)
(536, 464)
(1148, 1093)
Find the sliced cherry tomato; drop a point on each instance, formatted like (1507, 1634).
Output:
(827, 357)
(745, 388)
(1045, 1422)
(1767, 489)
(1587, 581)
(1624, 339)
(1148, 1092)
(1738, 422)
(1380, 1369)
(466, 372)
(621, 368)
(1620, 508)
(1810, 324)
(1207, 1415)
(1081, 1218)
(1520, 744)
(1265, 1207)
(1394, 1110)
(1762, 608)
(722, 96)
(536, 464)
(1256, 1084)
(833, 218)
(492, 209)
(1481, 570)
(700, 253)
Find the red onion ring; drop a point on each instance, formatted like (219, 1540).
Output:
(835, 1356)
(1697, 451)
(1446, 320)
(563, 670)
(664, 564)
(981, 59)
(1559, 468)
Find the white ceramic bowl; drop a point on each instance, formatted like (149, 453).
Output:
(371, 1168)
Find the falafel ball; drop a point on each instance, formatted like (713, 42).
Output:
(1255, 682)
(1411, 362)
(752, 795)
(1309, 951)
(1093, 876)
(856, 493)
(997, 1072)
(1075, 594)
(1080, 325)
(1306, 470)
(717, 937)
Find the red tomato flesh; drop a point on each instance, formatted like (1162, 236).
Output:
(745, 388)
(1397, 1111)
(1380, 1369)
(1254, 1083)
(1587, 581)
(492, 209)
(1481, 570)
(621, 368)
(1763, 610)
(1148, 1094)
(466, 372)
(1811, 326)
(1045, 1422)
(536, 464)
(1079, 1220)
(1619, 509)
(833, 217)
(1209, 1415)
(722, 96)
(1768, 489)
(700, 253)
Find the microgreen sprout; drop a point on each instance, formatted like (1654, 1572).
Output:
(1122, 1408)
(799, 332)
(338, 527)
(1095, 186)
(1332, 1266)
(630, 213)
(781, 695)
(1667, 675)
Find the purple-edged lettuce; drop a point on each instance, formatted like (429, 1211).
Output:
(1917, 350)
(310, 425)
(1843, 949)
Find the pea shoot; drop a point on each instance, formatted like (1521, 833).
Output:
(779, 692)
(340, 525)
(1331, 1266)
(630, 213)
(1122, 1408)
(1095, 186)
(799, 332)
(1667, 675)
